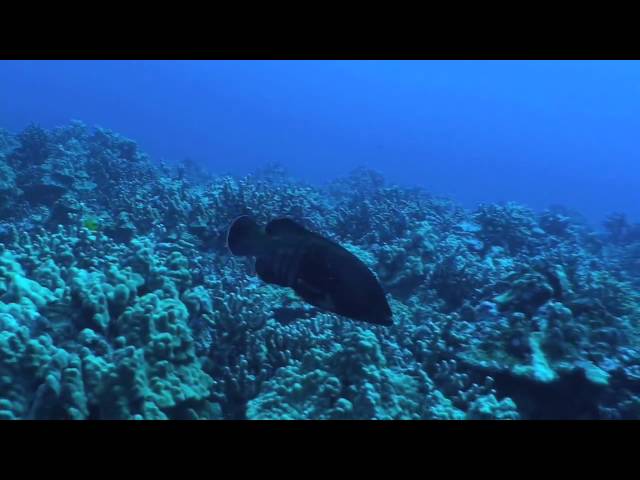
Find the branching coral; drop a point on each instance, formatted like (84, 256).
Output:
(119, 300)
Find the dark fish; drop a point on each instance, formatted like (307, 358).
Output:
(320, 271)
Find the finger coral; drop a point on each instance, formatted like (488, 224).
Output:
(119, 300)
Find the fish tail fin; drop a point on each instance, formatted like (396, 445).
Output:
(244, 237)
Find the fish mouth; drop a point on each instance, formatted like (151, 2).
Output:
(228, 232)
(241, 236)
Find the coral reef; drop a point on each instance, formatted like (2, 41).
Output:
(119, 300)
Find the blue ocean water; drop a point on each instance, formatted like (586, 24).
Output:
(537, 132)
(371, 240)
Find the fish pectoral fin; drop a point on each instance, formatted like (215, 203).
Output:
(264, 270)
(311, 294)
(307, 287)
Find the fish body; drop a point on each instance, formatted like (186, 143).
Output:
(320, 271)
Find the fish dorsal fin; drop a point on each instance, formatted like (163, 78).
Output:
(286, 226)
(281, 226)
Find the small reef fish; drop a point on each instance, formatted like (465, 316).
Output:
(321, 272)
